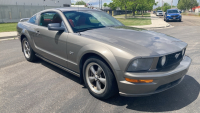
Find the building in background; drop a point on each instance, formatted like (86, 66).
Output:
(14, 10)
(196, 9)
(57, 3)
(78, 5)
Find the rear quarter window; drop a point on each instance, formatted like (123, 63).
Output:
(32, 20)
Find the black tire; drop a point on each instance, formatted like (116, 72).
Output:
(32, 57)
(111, 84)
(180, 20)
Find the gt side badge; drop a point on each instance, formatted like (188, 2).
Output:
(70, 52)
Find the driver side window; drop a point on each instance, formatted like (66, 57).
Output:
(49, 17)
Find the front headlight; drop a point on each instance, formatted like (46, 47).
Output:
(141, 64)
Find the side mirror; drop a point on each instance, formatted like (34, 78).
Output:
(55, 27)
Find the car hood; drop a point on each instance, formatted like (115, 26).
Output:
(173, 13)
(136, 41)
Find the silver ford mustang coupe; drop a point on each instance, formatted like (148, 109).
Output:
(108, 57)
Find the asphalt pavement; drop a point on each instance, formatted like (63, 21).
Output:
(43, 88)
(186, 21)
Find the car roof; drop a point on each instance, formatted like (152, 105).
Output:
(75, 9)
(172, 9)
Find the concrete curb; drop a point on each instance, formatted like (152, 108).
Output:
(4, 35)
(8, 37)
(157, 23)
(168, 26)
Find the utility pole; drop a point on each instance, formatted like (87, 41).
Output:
(171, 4)
(101, 4)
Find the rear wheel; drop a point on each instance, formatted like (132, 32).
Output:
(99, 79)
(27, 50)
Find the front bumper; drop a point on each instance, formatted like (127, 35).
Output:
(174, 18)
(162, 80)
(159, 14)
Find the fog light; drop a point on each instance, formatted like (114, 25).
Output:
(138, 81)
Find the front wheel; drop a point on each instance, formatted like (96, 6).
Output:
(27, 50)
(99, 79)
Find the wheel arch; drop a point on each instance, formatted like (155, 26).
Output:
(25, 34)
(100, 52)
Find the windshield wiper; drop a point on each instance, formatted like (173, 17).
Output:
(85, 29)
(81, 30)
(111, 26)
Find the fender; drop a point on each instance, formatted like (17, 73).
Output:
(104, 52)
(30, 40)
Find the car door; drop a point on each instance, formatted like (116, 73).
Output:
(52, 44)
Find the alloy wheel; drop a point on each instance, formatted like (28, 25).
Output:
(95, 78)
(26, 49)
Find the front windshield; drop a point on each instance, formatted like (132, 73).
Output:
(159, 11)
(86, 20)
(173, 11)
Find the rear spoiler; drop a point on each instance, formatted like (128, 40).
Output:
(24, 19)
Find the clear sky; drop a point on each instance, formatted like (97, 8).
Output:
(96, 2)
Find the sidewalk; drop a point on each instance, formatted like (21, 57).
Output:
(156, 22)
(4, 35)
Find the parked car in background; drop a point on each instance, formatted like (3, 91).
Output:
(109, 57)
(154, 12)
(159, 13)
(173, 15)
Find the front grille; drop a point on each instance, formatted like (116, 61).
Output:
(171, 60)
(160, 13)
(168, 85)
(174, 16)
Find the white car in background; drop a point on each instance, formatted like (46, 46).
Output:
(159, 13)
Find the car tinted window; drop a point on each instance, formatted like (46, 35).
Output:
(85, 20)
(49, 17)
(32, 19)
(173, 11)
(159, 11)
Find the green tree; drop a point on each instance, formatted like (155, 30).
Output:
(145, 5)
(112, 6)
(187, 4)
(159, 8)
(105, 4)
(80, 3)
(166, 6)
(122, 4)
(132, 5)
